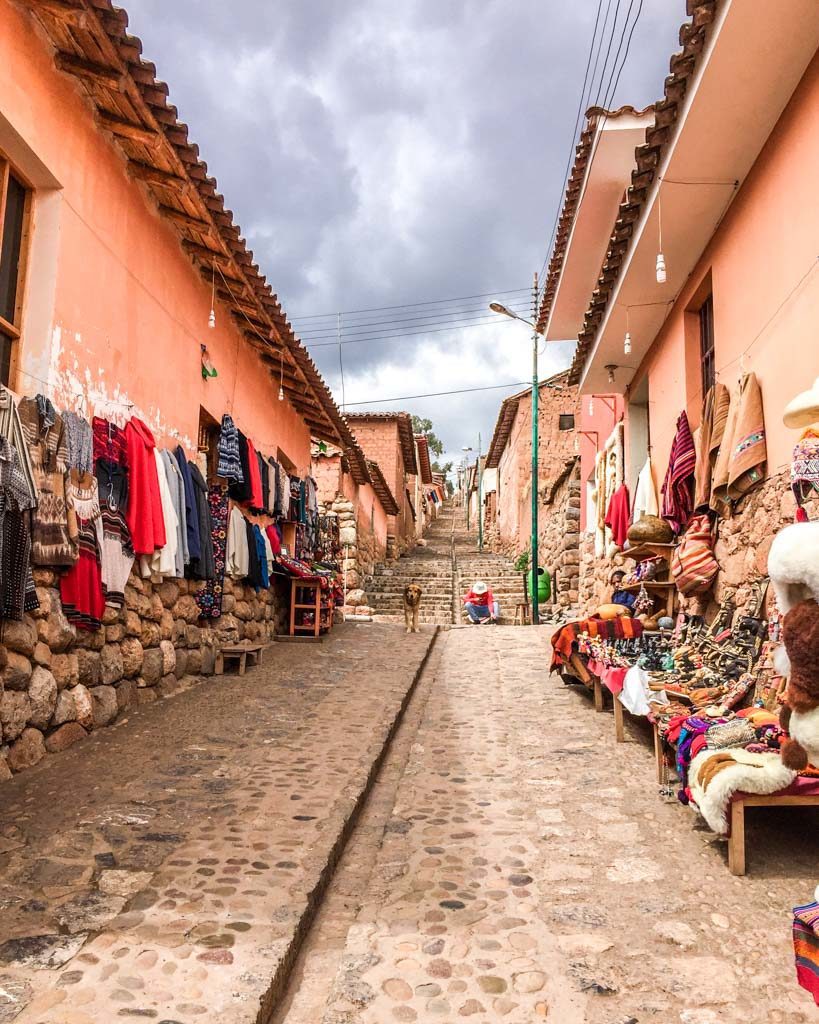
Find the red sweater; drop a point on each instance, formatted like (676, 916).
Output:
(144, 513)
(482, 600)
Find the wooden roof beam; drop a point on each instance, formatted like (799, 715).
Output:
(88, 69)
(185, 220)
(62, 10)
(156, 176)
(125, 129)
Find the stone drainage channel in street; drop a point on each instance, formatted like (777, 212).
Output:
(311, 979)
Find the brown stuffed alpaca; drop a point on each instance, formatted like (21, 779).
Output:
(800, 716)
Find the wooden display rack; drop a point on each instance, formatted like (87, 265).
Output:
(664, 590)
(306, 597)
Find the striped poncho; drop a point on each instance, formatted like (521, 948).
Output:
(678, 499)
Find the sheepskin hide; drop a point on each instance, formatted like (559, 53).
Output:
(752, 773)
(793, 565)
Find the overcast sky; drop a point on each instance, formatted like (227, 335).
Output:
(378, 153)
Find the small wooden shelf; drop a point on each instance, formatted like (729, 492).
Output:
(649, 550)
(648, 584)
(320, 605)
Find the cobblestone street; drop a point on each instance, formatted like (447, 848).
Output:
(506, 865)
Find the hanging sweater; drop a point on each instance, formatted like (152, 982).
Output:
(202, 568)
(45, 439)
(144, 514)
(163, 560)
(191, 509)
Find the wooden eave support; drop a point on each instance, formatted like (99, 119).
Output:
(82, 68)
(125, 129)
(202, 252)
(156, 176)
(186, 220)
(63, 10)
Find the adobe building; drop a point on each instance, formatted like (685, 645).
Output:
(559, 483)
(387, 438)
(117, 245)
(705, 289)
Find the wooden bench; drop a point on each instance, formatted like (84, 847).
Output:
(241, 653)
(736, 840)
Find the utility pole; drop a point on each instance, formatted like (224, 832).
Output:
(480, 497)
(534, 576)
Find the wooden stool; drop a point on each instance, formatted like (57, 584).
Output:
(521, 613)
(240, 653)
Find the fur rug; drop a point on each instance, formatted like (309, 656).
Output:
(750, 773)
(804, 728)
(792, 564)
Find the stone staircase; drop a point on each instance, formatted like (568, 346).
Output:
(428, 565)
(446, 567)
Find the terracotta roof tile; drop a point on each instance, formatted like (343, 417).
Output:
(424, 464)
(92, 43)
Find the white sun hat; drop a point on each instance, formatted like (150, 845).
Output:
(479, 587)
(804, 409)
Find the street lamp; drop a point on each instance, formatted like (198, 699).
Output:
(498, 307)
(465, 489)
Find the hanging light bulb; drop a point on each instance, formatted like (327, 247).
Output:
(627, 339)
(281, 376)
(212, 316)
(661, 275)
(281, 393)
(591, 406)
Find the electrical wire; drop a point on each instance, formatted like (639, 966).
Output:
(578, 114)
(357, 330)
(409, 305)
(439, 394)
(380, 336)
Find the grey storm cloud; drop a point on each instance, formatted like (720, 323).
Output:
(377, 153)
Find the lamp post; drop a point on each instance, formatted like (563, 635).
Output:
(498, 307)
(480, 497)
(466, 449)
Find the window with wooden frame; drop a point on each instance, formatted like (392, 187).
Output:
(707, 358)
(15, 211)
(208, 443)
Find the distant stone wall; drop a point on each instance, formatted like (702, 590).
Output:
(59, 683)
(361, 547)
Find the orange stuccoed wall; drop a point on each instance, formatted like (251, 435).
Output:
(764, 275)
(114, 311)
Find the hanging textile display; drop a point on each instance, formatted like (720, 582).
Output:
(117, 554)
(191, 511)
(44, 435)
(202, 568)
(176, 487)
(677, 490)
(81, 589)
(12, 429)
(230, 463)
(645, 494)
(144, 513)
(79, 442)
(712, 431)
(17, 593)
(209, 597)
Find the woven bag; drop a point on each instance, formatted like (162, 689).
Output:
(693, 565)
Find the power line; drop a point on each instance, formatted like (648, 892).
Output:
(408, 334)
(439, 394)
(379, 327)
(572, 141)
(409, 305)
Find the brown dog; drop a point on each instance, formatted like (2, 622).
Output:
(412, 602)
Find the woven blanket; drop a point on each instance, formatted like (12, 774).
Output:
(678, 498)
(564, 641)
(806, 947)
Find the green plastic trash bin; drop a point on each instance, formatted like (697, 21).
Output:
(544, 585)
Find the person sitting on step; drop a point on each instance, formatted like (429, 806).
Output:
(481, 605)
(620, 596)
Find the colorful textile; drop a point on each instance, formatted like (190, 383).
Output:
(256, 500)
(44, 434)
(678, 501)
(144, 514)
(80, 444)
(17, 593)
(805, 466)
(209, 597)
(712, 431)
(564, 641)
(617, 515)
(230, 463)
(109, 441)
(81, 589)
(806, 947)
(240, 490)
(12, 430)
(191, 512)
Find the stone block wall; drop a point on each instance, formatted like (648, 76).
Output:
(363, 549)
(559, 536)
(741, 548)
(59, 683)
